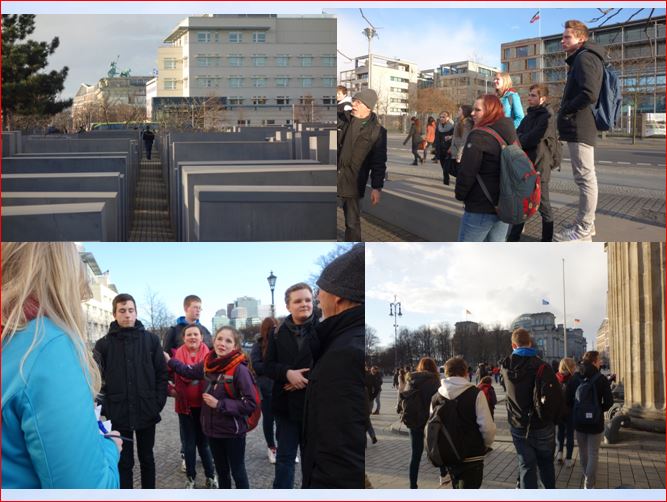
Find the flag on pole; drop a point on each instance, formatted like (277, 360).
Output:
(577, 321)
(535, 17)
(545, 302)
(468, 312)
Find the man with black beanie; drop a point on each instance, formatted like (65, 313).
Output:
(335, 411)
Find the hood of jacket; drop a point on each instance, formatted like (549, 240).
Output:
(452, 387)
(116, 330)
(418, 378)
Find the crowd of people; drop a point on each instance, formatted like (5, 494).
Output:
(305, 373)
(546, 411)
(470, 146)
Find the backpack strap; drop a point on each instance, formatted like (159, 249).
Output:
(493, 133)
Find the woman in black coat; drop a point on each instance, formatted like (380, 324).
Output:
(539, 139)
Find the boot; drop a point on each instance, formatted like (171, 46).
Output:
(514, 234)
(547, 231)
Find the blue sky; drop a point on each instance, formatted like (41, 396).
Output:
(217, 272)
(430, 37)
(437, 282)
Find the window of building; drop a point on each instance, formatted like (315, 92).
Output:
(328, 60)
(503, 67)
(517, 65)
(306, 100)
(522, 51)
(282, 81)
(282, 100)
(235, 82)
(205, 61)
(204, 37)
(169, 84)
(638, 51)
(169, 63)
(259, 81)
(635, 33)
(661, 48)
(531, 63)
(661, 31)
(329, 81)
(259, 100)
(206, 82)
(259, 37)
(307, 81)
(235, 100)
(235, 37)
(551, 46)
(259, 60)
(608, 37)
(328, 100)
(235, 60)
(282, 60)
(306, 60)
(243, 122)
(506, 53)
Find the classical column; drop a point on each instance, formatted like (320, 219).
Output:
(636, 309)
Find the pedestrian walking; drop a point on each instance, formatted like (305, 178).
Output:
(370, 387)
(50, 435)
(462, 128)
(377, 376)
(148, 136)
(430, 136)
(443, 141)
(509, 98)
(486, 386)
(415, 138)
(565, 426)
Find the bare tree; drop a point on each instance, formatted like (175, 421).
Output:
(372, 341)
(158, 318)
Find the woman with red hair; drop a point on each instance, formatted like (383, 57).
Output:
(480, 164)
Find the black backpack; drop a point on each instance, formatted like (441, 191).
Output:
(444, 439)
(412, 408)
(547, 396)
(587, 409)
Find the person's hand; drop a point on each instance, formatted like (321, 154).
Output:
(296, 378)
(167, 357)
(289, 387)
(375, 196)
(210, 400)
(115, 437)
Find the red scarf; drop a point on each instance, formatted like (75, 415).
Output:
(184, 398)
(223, 364)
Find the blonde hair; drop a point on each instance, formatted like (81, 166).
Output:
(567, 365)
(506, 83)
(52, 275)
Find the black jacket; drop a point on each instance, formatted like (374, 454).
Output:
(582, 88)
(264, 382)
(603, 389)
(519, 375)
(537, 135)
(441, 144)
(134, 375)
(481, 155)
(426, 383)
(369, 157)
(173, 338)
(335, 417)
(282, 354)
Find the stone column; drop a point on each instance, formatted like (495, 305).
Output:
(636, 309)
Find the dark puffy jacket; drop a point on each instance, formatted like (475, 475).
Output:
(426, 383)
(173, 338)
(537, 135)
(336, 410)
(264, 383)
(134, 376)
(228, 419)
(582, 88)
(441, 144)
(481, 155)
(603, 389)
(369, 157)
(519, 375)
(284, 353)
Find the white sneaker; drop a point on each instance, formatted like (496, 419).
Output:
(183, 468)
(190, 484)
(272, 455)
(212, 482)
(575, 233)
(569, 463)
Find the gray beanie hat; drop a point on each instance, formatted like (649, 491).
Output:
(368, 97)
(345, 276)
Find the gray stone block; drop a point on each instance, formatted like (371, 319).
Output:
(56, 222)
(10, 143)
(269, 213)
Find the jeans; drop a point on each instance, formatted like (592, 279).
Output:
(467, 475)
(482, 227)
(229, 454)
(589, 447)
(352, 213)
(145, 439)
(535, 452)
(582, 157)
(193, 440)
(377, 402)
(289, 440)
(566, 435)
(267, 418)
(417, 448)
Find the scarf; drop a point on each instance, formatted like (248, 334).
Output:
(223, 364)
(183, 355)
(30, 308)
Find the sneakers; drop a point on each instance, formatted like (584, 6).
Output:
(272, 455)
(183, 468)
(190, 483)
(444, 480)
(559, 457)
(569, 463)
(575, 233)
(212, 482)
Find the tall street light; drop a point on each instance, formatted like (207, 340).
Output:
(272, 284)
(395, 310)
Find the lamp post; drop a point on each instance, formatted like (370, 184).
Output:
(395, 310)
(272, 284)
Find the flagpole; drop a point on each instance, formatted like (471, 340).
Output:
(564, 312)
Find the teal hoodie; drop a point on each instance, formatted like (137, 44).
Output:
(50, 437)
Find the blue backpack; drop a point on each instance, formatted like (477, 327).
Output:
(607, 110)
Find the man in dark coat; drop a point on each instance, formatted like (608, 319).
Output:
(288, 361)
(576, 123)
(148, 136)
(335, 414)
(134, 375)
(362, 152)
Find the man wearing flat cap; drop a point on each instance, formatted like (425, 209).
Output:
(362, 153)
(335, 412)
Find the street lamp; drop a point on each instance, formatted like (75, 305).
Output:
(395, 310)
(272, 284)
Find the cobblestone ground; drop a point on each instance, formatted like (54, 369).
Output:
(637, 462)
(168, 460)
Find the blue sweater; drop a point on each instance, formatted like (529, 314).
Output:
(512, 107)
(50, 438)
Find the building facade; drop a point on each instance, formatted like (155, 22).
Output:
(461, 81)
(117, 96)
(602, 342)
(636, 50)
(394, 80)
(548, 337)
(98, 309)
(265, 69)
(219, 320)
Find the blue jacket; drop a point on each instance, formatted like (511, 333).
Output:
(50, 438)
(512, 107)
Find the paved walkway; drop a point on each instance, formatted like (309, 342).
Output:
(637, 462)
